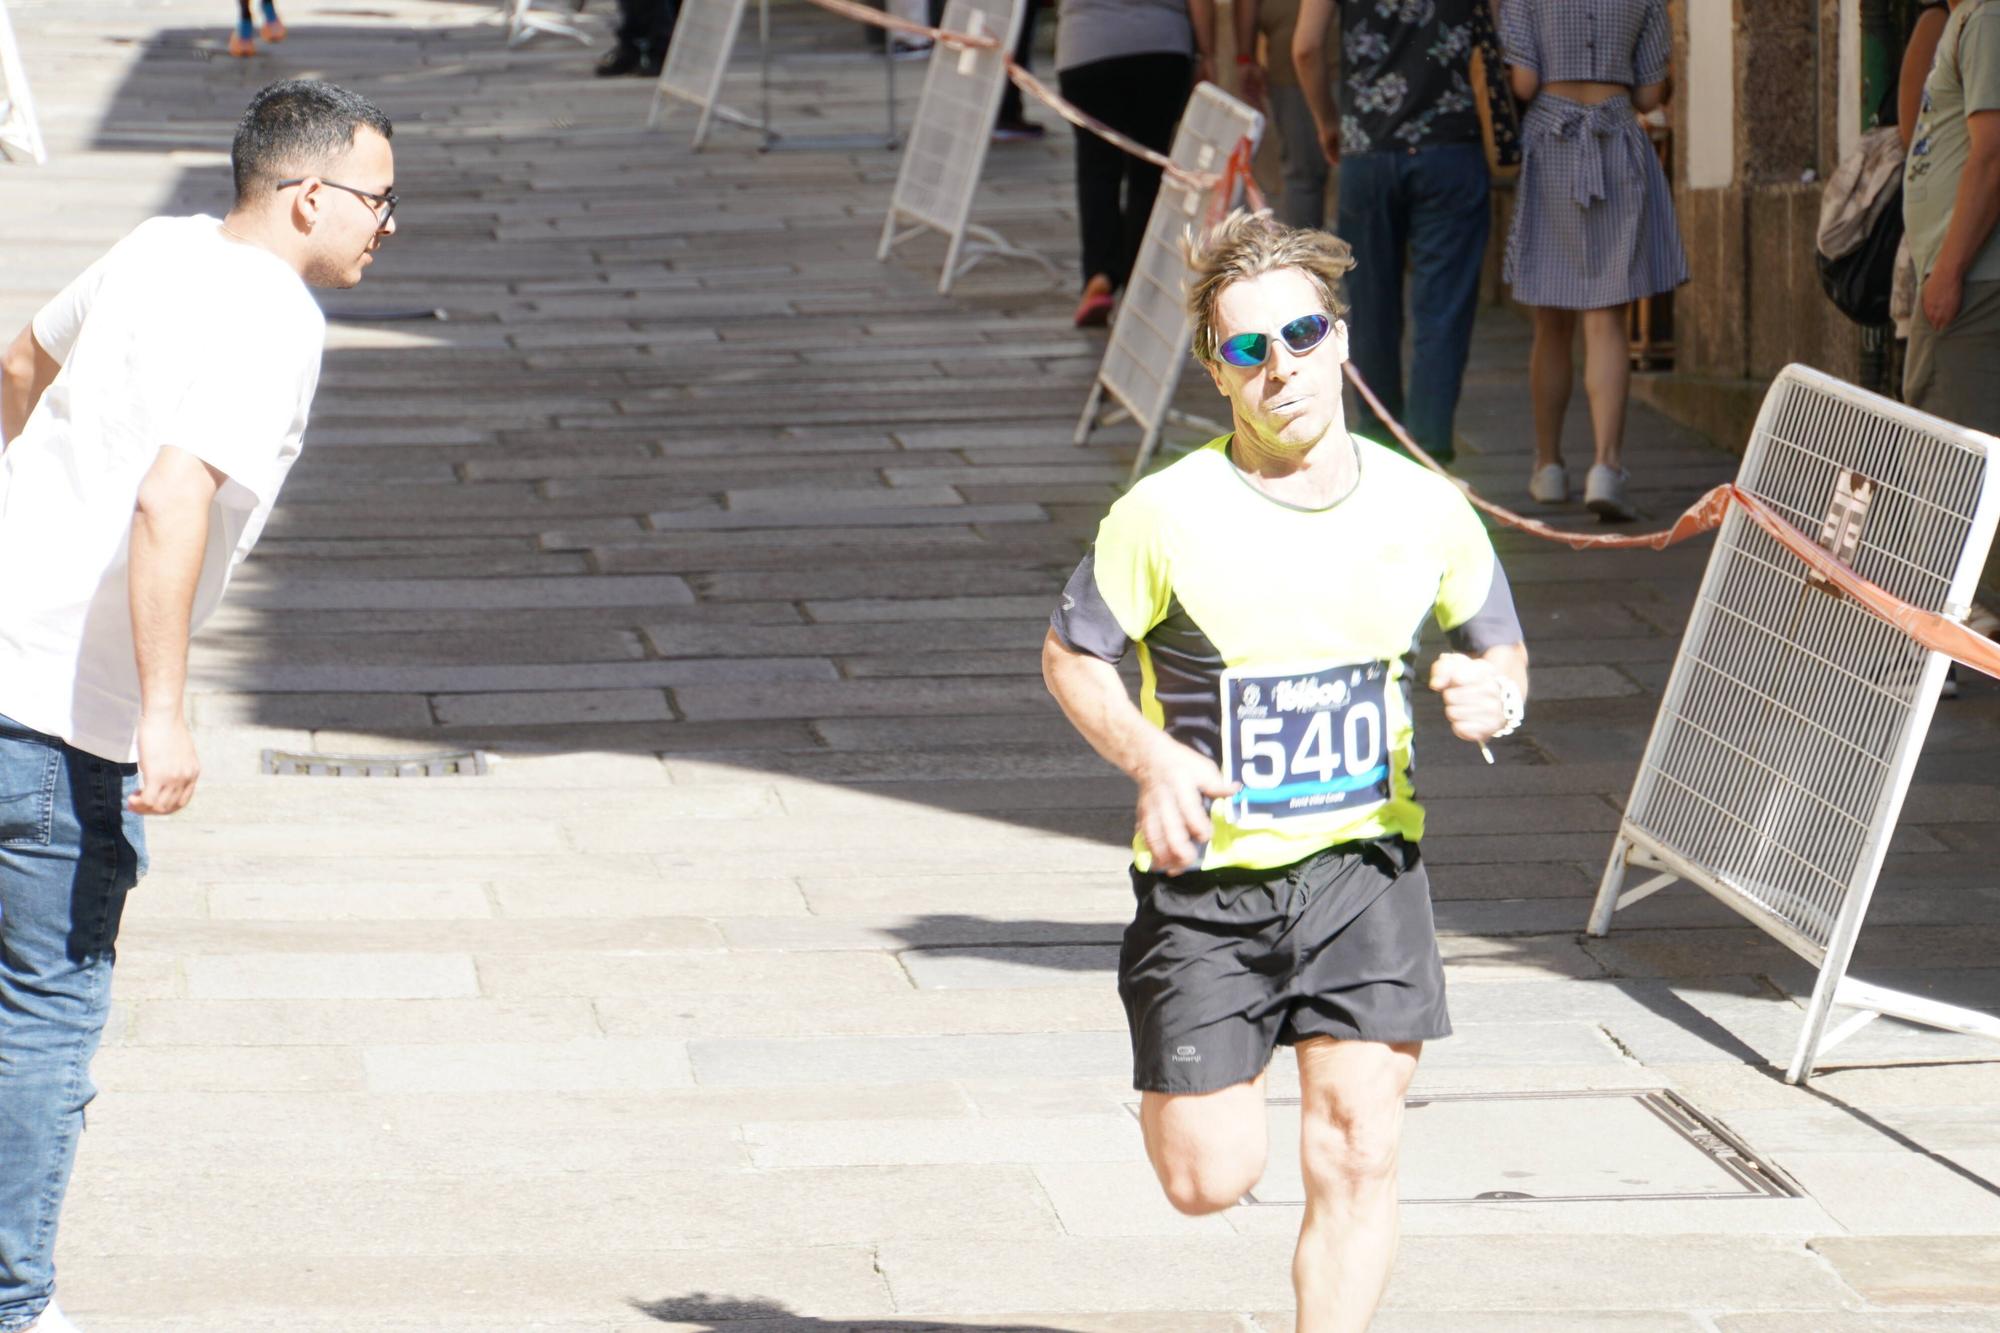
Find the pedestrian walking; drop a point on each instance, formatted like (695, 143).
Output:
(150, 414)
(243, 41)
(1414, 190)
(1951, 202)
(1282, 898)
(1274, 82)
(645, 28)
(1919, 52)
(1012, 125)
(1131, 64)
(1594, 227)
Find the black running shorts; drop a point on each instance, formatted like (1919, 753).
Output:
(1218, 967)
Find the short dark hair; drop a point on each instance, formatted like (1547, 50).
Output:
(294, 127)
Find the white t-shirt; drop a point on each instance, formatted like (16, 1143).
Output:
(179, 335)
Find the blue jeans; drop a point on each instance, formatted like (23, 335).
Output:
(1427, 209)
(69, 853)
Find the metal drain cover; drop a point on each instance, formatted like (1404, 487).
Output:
(1554, 1147)
(452, 764)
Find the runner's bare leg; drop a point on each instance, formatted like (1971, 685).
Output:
(1207, 1148)
(1350, 1131)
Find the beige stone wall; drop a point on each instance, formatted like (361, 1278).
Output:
(1753, 303)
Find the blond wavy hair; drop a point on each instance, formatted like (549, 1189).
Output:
(1244, 245)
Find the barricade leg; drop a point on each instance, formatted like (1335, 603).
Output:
(1817, 1013)
(1832, 972)
(888, 238)
(1088, 421)
(1608, 887)
(951, 250)
(1147, 444)
(662, 104)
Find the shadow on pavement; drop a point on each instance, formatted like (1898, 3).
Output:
(724, 1314)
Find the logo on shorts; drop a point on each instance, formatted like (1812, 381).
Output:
(1186, 1055)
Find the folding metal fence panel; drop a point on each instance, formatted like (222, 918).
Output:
(947, 145)
(20, 132)
(524, 21)
(1793, 718)
(698, 56)
(1151, 331)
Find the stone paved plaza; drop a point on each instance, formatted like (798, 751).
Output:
(765, 982)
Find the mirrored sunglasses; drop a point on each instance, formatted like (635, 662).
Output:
(1301, 335)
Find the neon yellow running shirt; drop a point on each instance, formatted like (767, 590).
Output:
(1277, 640)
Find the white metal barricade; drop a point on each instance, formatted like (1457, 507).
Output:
(524, 21)
(20, 132)
(1793, 718)
(1151, 331)
(698, 56)
(947, 144)
(695, 64)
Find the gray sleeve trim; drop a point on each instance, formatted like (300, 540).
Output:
(1494, 625)
(1083, 621)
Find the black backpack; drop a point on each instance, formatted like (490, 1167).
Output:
(1859, 282)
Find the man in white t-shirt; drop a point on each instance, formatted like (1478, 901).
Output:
(149, 415)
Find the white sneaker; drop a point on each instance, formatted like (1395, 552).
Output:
(1604, 492)
(52, 1321)
(1549, 484)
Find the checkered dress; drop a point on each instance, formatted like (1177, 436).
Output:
(1594, 221)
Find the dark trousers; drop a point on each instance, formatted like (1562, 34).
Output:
(1427, 209)
(1024, 52)
(1140, 96)
(647, 24)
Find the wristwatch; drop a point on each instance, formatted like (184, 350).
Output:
(1513, 707)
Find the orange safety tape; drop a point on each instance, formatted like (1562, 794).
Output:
(1238, 172)
(865, 14)
(1938, 633)
(1031, 85)
(1083, 120)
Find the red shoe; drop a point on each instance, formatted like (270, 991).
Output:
(1094, 310)
(240, 46)
(274, 30)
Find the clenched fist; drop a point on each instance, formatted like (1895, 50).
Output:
(1474, 701)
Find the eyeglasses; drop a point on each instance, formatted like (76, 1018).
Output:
(384, 204)
(1301, 335)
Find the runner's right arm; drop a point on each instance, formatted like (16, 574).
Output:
(1175, 783)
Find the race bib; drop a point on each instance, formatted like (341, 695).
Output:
(1305, 743)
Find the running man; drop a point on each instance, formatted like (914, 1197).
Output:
(149, 415)
(1275, 583)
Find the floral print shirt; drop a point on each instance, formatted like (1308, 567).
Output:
(1404, 74)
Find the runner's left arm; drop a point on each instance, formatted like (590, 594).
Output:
(1475, 608)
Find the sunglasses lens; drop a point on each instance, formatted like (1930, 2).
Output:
(1245, 349)
(1305, 333)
